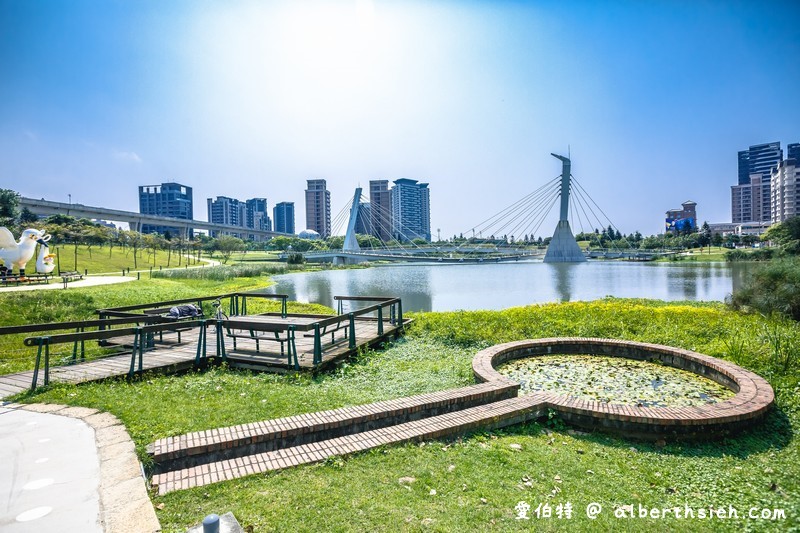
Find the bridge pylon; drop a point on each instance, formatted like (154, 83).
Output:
(350, 241)
(563, 248)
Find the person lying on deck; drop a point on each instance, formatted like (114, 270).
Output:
(183, 311)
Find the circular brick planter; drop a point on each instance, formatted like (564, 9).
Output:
(753, 397)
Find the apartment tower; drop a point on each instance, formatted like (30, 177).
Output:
(318, 207)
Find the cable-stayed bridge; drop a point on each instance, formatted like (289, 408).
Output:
(510, 235)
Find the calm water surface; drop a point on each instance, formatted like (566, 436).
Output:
(447, 287)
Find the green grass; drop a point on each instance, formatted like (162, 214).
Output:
(253, 256)
(707, 255)
(479, 479)
(105, 260)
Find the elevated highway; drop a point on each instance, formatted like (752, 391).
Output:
(136, 220)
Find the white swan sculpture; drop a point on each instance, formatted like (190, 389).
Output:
(15, 254)
(46, 262)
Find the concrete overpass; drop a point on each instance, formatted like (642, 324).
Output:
(135, 220)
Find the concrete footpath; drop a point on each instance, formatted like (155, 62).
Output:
(90, 281)
(69, 469)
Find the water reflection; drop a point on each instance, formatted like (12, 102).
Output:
(562, 274)
(442, 287)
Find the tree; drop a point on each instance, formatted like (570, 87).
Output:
(295, 258)
(368, 241)
(227, 244)
(26, 216)
(9, 206)
(785, 234)
(335, 242)
(133, 240)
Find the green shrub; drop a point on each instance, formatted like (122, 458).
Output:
(773, 288)
(296, 259)
(758, 254)
(222, 272)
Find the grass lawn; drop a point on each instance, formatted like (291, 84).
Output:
(474, 483)
(706, 255)
(253, 256)
(105, 260)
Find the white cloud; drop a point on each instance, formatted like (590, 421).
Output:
(127, 156)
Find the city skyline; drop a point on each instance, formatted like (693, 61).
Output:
(653, 102)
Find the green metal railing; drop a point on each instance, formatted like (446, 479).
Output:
(143, 339)
(143, 327)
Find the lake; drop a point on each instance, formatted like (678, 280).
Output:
(447, 287)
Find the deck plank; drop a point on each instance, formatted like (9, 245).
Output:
(169, 355)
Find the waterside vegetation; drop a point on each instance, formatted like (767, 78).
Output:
(474, 483)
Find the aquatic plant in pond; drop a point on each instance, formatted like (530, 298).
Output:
(614, 380)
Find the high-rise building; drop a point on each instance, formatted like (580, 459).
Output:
(318, 207)
(761, 167)
(167, 200)
(228, 211)
(411, 216)
(250, 214)
(750, 199)
(759, 159)
(748, 203)
(793, 151)
(257, 214)
(380, 199)
(785, 182)
(283, 213)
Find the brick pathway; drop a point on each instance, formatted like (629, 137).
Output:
(236, 441)
(205, 457)
(484, 417)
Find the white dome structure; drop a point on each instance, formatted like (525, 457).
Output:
(309, 234)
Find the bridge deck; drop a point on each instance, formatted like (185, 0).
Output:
(170, 356)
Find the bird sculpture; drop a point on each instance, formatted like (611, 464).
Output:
(16, 254)
(45, 262)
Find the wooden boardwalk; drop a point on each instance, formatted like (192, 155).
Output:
(170, 356)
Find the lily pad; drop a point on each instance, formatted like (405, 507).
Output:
(614, 380)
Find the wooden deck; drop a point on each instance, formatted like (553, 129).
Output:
(170, 356)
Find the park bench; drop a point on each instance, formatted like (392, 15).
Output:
(30, 279)
(342, 322)
(273, 334)
(71, 275)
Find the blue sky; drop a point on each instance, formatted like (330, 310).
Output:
(249, 99)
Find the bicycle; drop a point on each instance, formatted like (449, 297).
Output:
(219, 314)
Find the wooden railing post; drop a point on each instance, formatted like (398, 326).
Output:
(380, 320)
